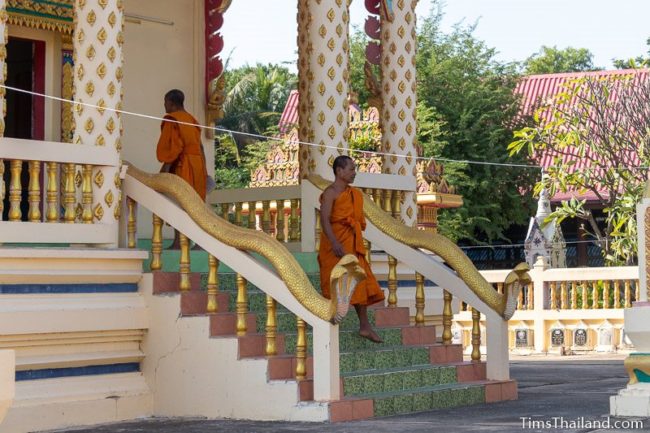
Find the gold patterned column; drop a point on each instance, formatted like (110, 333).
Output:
(328, 92)
(305, 76)
(97, 42)
(398, 118)
(4, 38)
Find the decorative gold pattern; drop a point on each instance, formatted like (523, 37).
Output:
(54, 15)
(99, 212)
(280, 258)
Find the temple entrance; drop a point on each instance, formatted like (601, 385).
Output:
(25, 113)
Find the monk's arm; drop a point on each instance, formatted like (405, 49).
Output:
(170, 145)
(325, 213)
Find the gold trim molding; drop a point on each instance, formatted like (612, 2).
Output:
(51, 15)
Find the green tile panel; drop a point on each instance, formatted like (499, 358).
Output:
(397, 379)
(383, 359)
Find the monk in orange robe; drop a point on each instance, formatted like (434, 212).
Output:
(180, 148)
(342, 222)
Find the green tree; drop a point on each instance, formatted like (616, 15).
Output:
(255, 98)
(610, 135)
(550, 60)
(469, 96)
(636, 62)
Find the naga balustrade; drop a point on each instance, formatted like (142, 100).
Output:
(52, 192)
(285, 283)
(448, 267)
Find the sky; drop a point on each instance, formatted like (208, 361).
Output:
(258, 31)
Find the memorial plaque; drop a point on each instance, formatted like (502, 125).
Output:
(580, 337)
(521, 338)
(557, 337)
(456, 336)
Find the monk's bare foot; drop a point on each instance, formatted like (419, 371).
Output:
(370, 335)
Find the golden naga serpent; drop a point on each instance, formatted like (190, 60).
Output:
(504, 304)
(241, 238)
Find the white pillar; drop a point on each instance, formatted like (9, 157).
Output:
(98, 39)
(398, 119)
(329, 84)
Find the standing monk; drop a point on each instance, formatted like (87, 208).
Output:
(342, 221)
(180, 148)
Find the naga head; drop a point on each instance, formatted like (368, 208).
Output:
(515, 280)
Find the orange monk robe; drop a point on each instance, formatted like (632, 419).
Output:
(180, 146)
(347, 222)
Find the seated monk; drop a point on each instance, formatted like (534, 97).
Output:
(180, 148)
(342, 221)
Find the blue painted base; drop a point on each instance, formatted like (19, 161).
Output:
(51, 373)
(32, 289)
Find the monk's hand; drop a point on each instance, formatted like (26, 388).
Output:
(338, 250)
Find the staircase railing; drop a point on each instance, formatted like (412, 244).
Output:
(449, 268)
(284, 280)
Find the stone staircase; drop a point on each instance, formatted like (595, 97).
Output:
(408, 372)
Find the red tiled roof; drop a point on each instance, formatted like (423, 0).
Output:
(536, 89)
(289, 116)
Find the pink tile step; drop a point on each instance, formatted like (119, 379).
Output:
(225, 324)
(351, 410)
(418, 335)
(391, 316)
(166, 282)
(443, 354)
(195, 302)
(254, 345)
(470, 371)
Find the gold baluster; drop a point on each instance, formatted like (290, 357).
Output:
(594, 295)
(34, 191)
(131, 222)
(318, 230)
(213, 284)
(617, 294)
(574, 295)
(294, 232)
(564, 295)
(637, 291)
(376, 196)
(301, 351)
(2, 187)
(266, 216)
(279, 205)
(239, 220)
(530, 295)
(241, 306)
(69, 195)
(387, 201)
(628, 294)
(446, 318)
(397, 204)
(553, 295)
(476, 335)
(184, 268)
(392, 281)
(419, 299)
(87, 194)
(252, 224)
(585, 295)
(15, 190)
(156, 244)
(606, 294)
(271, 326)
(52, 197)
(225, 207)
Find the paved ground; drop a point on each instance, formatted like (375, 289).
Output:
(567, 394)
